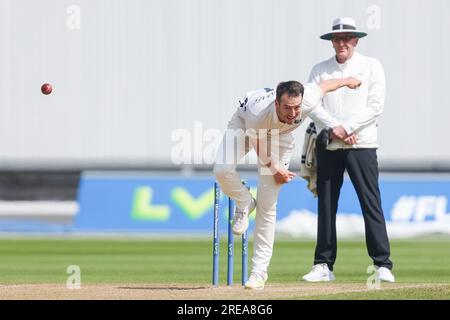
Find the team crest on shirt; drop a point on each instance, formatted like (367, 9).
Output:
(243, 104)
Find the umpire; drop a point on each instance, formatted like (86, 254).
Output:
(353, 129)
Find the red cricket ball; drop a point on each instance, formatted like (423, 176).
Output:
(46, 88)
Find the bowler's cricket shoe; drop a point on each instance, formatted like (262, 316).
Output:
(240, 219)
(256, 281)
(319, 272)
(384, 274)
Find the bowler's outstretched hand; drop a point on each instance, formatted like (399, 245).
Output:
(353, 83)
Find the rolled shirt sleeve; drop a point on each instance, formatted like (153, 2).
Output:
(318, 113)
(311, 97)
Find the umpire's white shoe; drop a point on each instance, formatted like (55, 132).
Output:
(319, 272)
(240, 219)
(384, 274)
(256, 281)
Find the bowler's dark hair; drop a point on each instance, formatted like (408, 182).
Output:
(291, 88)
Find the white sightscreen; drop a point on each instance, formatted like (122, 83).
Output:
(126, 74)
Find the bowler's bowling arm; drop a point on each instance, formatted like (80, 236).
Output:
(267, 157)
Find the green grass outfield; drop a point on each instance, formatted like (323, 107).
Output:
(34, 261)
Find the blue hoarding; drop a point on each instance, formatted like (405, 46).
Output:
(126, 204)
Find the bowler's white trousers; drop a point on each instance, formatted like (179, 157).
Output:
(231, 151)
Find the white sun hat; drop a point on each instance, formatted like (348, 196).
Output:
(343, 25)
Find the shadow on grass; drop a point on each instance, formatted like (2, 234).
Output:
(163, 288)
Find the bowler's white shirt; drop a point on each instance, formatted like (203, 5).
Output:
(257, 109)
(356, 110)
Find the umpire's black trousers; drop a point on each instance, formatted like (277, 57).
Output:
(362, 167)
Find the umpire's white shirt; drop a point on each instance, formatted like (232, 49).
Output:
(356, 110)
